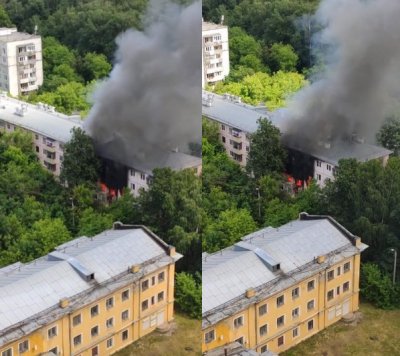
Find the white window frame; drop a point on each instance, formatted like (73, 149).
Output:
(108, 344)
(313, 304)
(239, 318)
(53, 335)
(110, 322)
(122, 315)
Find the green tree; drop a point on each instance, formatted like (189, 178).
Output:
(228, 228)
(80, 164)
(95, 66)
(188, 294)
(92, 222)
(282, 57)
(389, 135)
(267, 155)
(4, 18)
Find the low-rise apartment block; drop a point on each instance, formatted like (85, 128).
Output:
(237, 121)
(50, 130)
(91, 296)
(215, 56)
(21, 65)
(280, 286)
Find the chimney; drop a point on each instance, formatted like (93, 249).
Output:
(64, 302)
(134, 269)
(172, 251)
(250, 293)
(321, 259)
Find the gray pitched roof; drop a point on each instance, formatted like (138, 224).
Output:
(227, 274)
(50, 124)
(27, 290)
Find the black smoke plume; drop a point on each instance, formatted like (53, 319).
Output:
(360, 85)
(150, 104)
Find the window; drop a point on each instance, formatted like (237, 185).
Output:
(338, 271)
(264, 348)
(319, 177)
(161, 277)
(124, 335)
(125, 295)
(262, 310)
(132, 172)
(330, 275)
(23, 346)
(295, 313)
(94, 331)
(310, 285)
(37, 149)
(346, 267)
(281, 340)
(280, 321)
(328, 167)
(54, 350)
(52, 332)
(145, 304)
(142, 176)
(310, 325)
(153, 300)
(330, 295)
(223, 127)
(76, 320)
(346, 286)
(110, 302)
(95, 351)
(110, 323)
(209, 336)
(295, 332)
(280, 300)
(94, 311)
(153, 280)
(310, 305)
(77, 340)
(337, 290)
(109, 343)
(125, 315)
(8, 352)
(238, 322)
(160, 297)
(133, 187)
(263, 330)
(318, 163)
(295, 293)
(145, 284)
(36, 137)
(223, 139)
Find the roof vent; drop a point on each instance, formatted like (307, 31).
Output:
(85, 273)
(272, 265)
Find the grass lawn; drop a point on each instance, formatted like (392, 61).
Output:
(185, 341)
(377, 334)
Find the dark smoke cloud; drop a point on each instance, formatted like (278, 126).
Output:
(360, 84)
(150, 104)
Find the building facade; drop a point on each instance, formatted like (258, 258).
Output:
(91, 296)
(21, 65)
(277, 287)
(215, 56)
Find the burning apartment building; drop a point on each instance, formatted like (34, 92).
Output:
(237, 121)
(147, 113)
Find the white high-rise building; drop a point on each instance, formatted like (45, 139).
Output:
(215, 56)
(21, 66)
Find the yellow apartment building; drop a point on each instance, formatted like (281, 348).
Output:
(279, 286)
(91, 296)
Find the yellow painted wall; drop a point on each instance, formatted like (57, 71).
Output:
(321, 313)
(40, 342)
